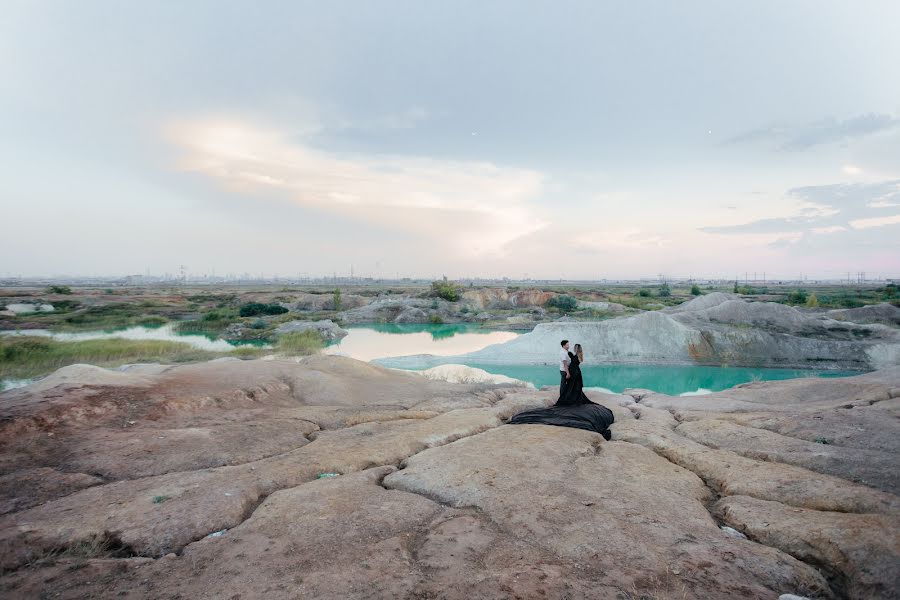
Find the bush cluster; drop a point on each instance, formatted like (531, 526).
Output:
(254, 309)
(563, 302)
(446, 290)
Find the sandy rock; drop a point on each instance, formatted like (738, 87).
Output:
(499, 298)
(885, 313)
(860, 553)
(585, 507)
(870, 467)
(29, 487)
(732, 474)
(466, 374)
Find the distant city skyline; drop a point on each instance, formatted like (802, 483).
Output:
(565, 140)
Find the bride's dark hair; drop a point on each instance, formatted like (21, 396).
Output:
(578, 352)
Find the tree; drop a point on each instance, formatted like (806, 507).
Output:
(664, 291)
(695, 290)
(735, 290)
(59, 289)
(336, 299)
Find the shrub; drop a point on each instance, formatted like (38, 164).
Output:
(59, 289)
(464, 310)
(890, 291)
(664, 291)
(446, 290)
(258, 324)
(812, 301)
(563, 302)
(695, 290)
(336, 299)
(436, 320)
(254, 309)
(797, 297)
(644, 293)
(300, 342)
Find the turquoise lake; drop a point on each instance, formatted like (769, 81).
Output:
(382, 342)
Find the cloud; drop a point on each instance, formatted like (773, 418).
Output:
(828, 209)
(825, 131)
(875, 222)
(475, 207)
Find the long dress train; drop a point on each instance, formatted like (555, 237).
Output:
(573, 409)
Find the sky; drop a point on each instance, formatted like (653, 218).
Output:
(583, 140)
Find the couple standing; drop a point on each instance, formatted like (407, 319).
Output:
(571, 382)
(573, 409)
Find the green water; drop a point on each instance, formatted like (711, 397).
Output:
(382, 342)
(673, 380)
(666, 379)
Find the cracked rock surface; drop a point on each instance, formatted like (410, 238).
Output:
(332, 478)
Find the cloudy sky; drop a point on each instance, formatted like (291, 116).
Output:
(553, 139)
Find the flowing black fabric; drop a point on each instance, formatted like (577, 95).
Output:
(573, 409)
(573, 393)
(592, 417)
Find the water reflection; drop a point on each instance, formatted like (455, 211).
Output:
(369, 342)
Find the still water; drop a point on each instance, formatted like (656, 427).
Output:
(368, 342)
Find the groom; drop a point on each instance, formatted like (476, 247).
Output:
(563, 367)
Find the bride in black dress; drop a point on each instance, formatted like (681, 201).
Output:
(573, 409)
(574, 390)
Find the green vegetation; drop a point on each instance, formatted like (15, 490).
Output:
(664, 291)
(695, 290)
(563, 303)
(254, 309)
(797, 297)
(160, 499)
(27, 356)
(300, 343)
(59, 289)
(644, 293)
(812, 301)
(447, 290)
(435, 320)
(336, 299)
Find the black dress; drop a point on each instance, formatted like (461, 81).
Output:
(574, 390)
(573, 409)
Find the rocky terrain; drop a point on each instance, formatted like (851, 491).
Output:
(715, 329)
(331, 478)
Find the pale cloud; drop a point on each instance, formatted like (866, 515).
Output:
(874, 222)
(826, 209)
(826, 230)
(851, 170)
(478, 208)
(830, 130)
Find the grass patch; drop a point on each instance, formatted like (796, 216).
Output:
(300, 343)
(24, 357)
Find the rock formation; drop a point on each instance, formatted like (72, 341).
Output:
(331, 478)
(325, 328)
(715, 329)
